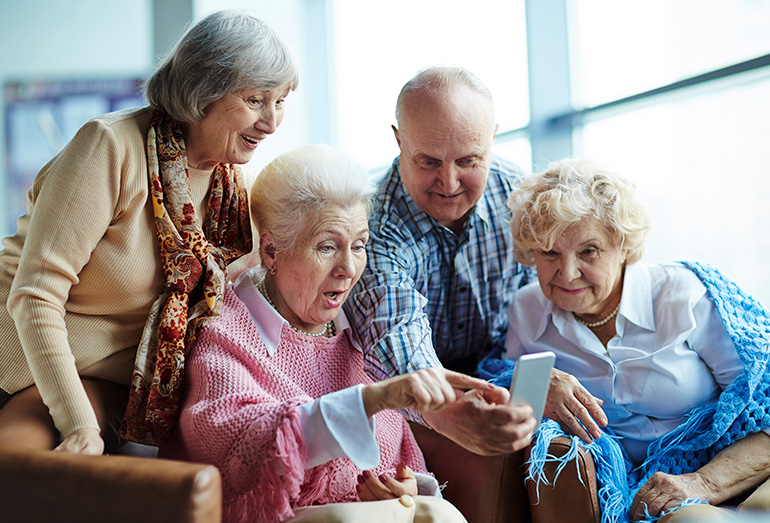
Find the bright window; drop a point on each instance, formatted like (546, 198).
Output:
(622, 47)
(378, 47)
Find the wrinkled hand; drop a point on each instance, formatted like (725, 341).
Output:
(422, 390)
(374, 488)
(83, 441)
(570, 404)
(666, 491)
(484, 422)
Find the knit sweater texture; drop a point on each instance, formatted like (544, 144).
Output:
(83, 269)
(241, 414)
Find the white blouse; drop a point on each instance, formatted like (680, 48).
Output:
(671, 353)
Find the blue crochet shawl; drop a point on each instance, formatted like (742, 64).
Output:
(742, 408)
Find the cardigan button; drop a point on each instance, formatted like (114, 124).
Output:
(406, 500)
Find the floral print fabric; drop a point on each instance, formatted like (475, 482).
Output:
(194, 260)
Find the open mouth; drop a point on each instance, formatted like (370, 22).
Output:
(332, 295)
(252, 141)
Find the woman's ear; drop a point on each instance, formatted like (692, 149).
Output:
(267, 250)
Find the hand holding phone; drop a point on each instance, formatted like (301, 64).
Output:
(531, 380)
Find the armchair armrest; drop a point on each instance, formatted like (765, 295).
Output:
(62, 487)
(486, 489)
(566, 498)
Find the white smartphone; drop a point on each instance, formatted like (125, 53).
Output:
(531, 379)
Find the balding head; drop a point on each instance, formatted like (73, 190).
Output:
(445, 133)
(441, 82)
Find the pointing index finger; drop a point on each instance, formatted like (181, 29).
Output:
(465, 382)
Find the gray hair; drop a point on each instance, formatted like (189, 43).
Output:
(568, 192)
(439, 81)
(225, 52)
(297, 185)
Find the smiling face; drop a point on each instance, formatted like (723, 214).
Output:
(313, 279)
(234, 126)
(583, 272)
(446, 148)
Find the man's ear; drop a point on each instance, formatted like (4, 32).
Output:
(494, 132)
(395, 133)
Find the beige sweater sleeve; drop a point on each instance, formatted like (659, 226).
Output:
(73, 208)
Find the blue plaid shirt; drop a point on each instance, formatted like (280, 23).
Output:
(428, 295)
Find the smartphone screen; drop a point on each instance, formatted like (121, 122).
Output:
(531, 379)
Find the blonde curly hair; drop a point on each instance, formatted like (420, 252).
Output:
(568, 192)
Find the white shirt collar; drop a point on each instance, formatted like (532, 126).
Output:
(269, 323)
(636, 303)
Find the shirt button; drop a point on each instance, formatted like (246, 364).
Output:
(406, 500)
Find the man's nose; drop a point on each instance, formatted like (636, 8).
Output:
(449, 179)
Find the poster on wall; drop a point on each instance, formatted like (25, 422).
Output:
(42, 116)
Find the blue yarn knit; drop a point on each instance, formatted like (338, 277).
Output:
(742, 408)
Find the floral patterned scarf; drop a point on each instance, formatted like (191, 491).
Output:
(194, 260)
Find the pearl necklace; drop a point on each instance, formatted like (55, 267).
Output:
(600, 322)
(329, 328)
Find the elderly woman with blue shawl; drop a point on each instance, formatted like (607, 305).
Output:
(676, 353)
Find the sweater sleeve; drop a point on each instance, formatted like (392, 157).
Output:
(70, 207)
(230, 419)
(335, 426)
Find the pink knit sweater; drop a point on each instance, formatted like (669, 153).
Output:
(240, 413)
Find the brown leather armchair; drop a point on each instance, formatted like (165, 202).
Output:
(567, 498)
(56, 486)
(486, 489)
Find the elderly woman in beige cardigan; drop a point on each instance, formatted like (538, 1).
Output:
(128, 230)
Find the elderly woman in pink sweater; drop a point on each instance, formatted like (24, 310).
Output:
(277, 396)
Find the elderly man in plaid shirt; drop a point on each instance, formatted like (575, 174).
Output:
(441, 271)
